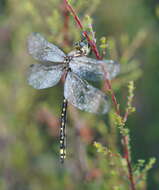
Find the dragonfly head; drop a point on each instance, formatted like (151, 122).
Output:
(82, 47)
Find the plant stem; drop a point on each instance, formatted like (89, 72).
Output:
(109, 88)
(128, 160)
(92, 43)
(65, 29)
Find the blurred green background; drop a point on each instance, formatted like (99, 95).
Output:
(29, 119)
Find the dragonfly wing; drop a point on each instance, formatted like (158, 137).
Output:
(42, 50)
(84, 96)
(92, 69)
(42, 76)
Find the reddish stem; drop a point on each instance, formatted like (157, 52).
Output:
(126, 116)
(71, 10)
(92, 44)
(109, 87)
(127, 157)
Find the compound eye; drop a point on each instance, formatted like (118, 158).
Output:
(82, 44)
(76, 44)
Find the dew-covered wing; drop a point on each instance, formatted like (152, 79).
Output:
(84, 96)
(42, 50)
(42, 76)
(92, 69)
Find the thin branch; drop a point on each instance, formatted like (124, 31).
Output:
(109, 88)
(92, 44)
(128, 160)
(65, 29)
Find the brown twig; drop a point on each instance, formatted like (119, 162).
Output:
(109, 88)
(65, 29)
(128, 160)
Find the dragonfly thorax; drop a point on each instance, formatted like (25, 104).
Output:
(68, 59)
(66, 62)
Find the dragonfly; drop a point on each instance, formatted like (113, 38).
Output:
(76, 68)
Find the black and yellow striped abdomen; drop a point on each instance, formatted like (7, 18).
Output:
(63, 132)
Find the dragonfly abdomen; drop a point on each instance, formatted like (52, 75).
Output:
(63, 132)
